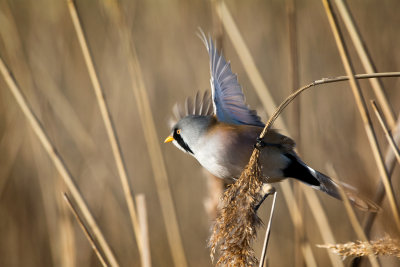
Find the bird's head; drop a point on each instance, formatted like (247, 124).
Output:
(190, 122)
(187, 132)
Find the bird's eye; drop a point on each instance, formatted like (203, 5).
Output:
(178, 131)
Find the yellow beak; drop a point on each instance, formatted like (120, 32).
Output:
(169, 139)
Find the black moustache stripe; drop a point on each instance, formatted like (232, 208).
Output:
(182, 143)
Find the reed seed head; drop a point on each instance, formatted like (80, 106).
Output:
(235, 227)
(386, 246)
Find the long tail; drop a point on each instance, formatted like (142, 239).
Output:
(299, 170)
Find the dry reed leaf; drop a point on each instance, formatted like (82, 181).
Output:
(386, 246)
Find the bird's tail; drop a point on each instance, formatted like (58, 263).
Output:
(330, 187)
(299, 170)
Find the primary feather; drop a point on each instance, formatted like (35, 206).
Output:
(228, 99)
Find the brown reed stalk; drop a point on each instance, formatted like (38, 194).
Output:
(218, 29)
(144, 229)
(12, 153)
(366, 60)
(85, 230)
(294, 119)
(294, 65)
(390, 161)
(60, 229)
(57, 161)
(353, 218)
(67, 252)
(360, 102)
(64, 253)
(379, 91)
(309, 257)
(386, 130)
(268, 232)
(17, 55)
(297, 220)
(105, 113)
(113, 9)
(320, 217)
(248, 62)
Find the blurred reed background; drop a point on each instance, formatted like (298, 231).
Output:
(39, 44)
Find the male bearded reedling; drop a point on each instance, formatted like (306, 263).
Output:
(220, 132)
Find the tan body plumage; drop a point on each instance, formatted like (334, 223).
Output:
(226, 148)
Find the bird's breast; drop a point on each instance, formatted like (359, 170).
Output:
(224, 152)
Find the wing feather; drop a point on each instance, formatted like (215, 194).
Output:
(200, 105)
(197, 104)
(227, 96)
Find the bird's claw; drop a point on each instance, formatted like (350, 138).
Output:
(265, 191)
(259, 143)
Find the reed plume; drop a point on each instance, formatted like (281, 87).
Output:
(235, 227)
(386, 246)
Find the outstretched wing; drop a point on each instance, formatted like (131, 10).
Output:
(228, 99)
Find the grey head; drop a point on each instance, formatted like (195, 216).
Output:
(187, 132)
(190, 122)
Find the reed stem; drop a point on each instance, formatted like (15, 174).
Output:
(362, 107)
(57, 161)
(105, 113)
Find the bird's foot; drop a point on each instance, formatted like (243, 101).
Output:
(261, 144)
(265, 191)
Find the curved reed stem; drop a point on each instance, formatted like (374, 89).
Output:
(291, 97)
